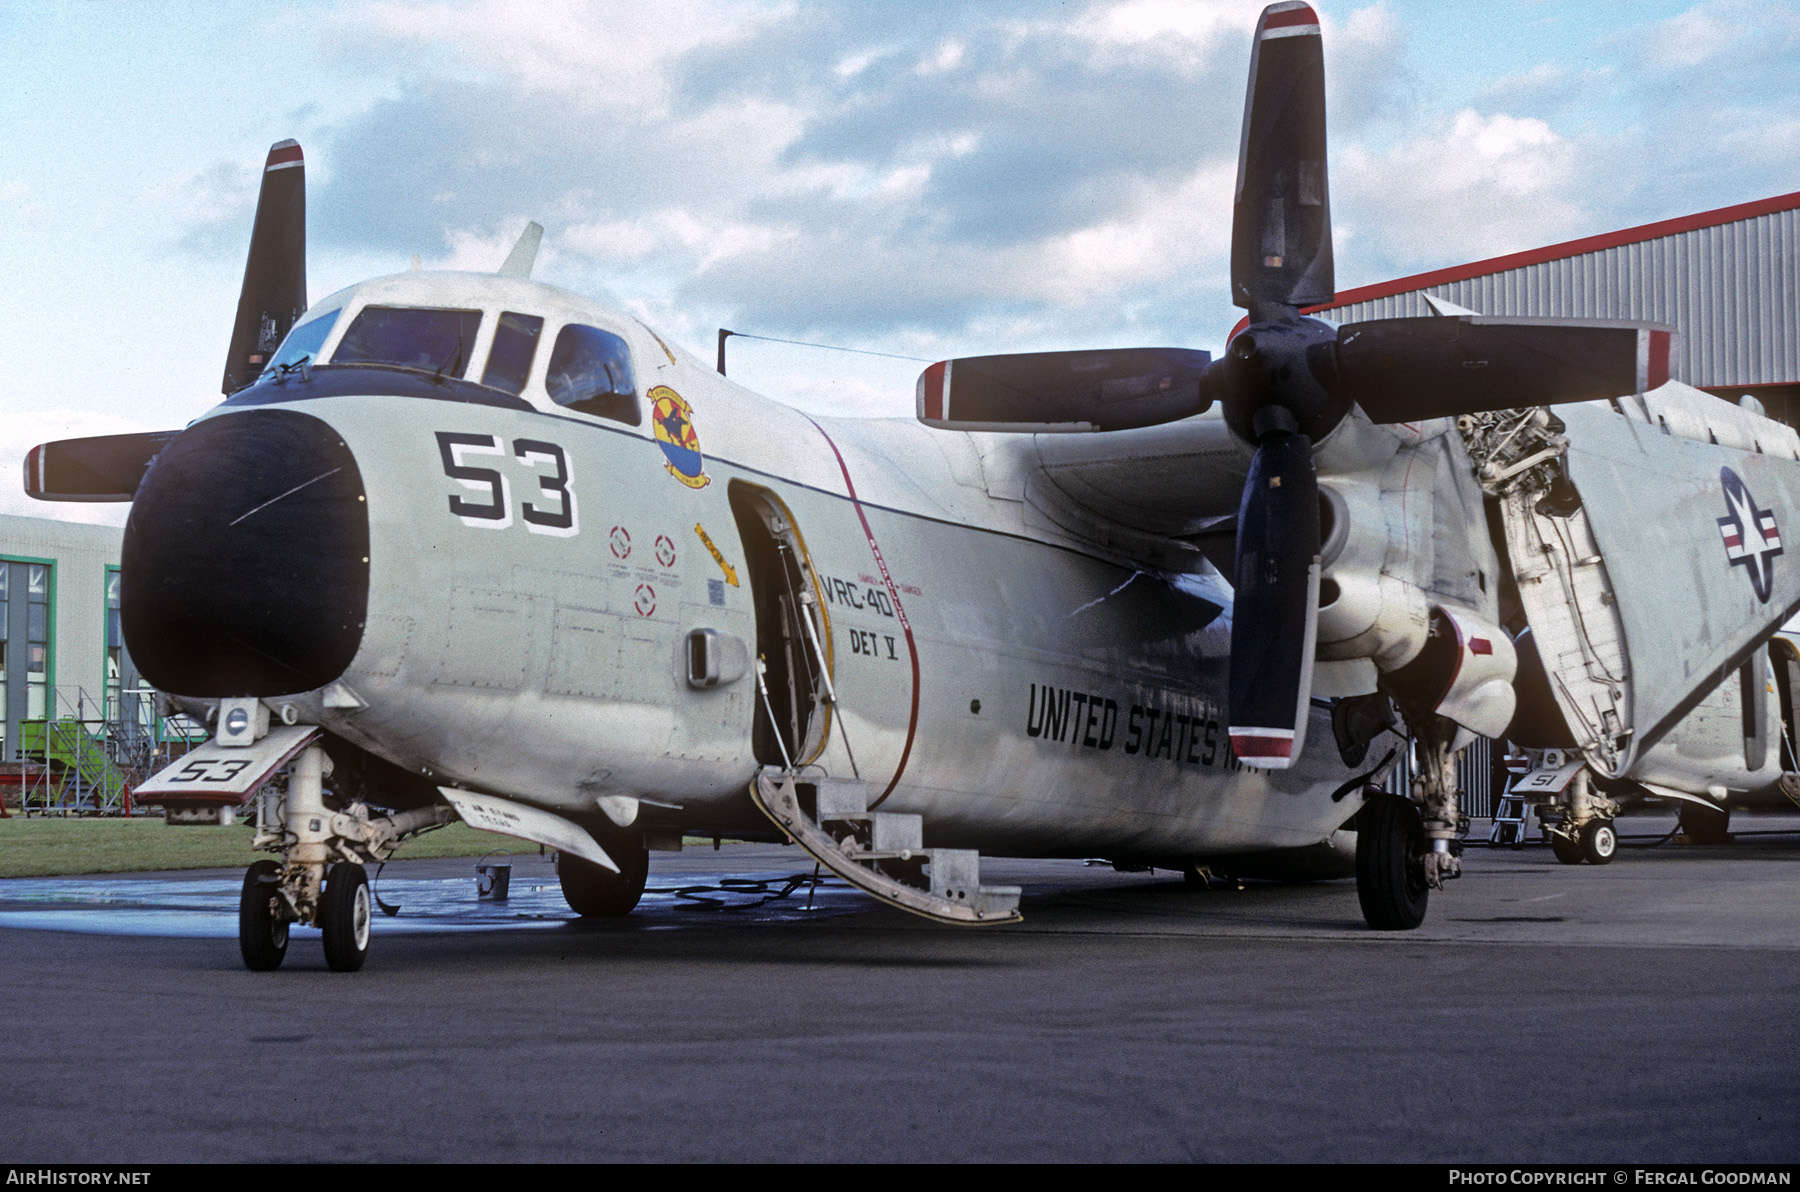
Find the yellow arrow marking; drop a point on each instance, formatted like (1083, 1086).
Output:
(727, 568)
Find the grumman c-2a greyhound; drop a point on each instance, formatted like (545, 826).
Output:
(469, 545)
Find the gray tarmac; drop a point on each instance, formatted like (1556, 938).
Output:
(1640, 1012)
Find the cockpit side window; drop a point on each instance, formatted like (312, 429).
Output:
(590, 371)
(420, 339)
(509, 360)
(303, 342)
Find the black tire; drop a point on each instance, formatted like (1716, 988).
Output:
(262, 918)
(596, 893)
(1567, 851)
(1599, 841)
(344, 917)
(1390, 872)
(1706, 825)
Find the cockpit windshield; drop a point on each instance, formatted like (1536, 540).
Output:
(420, 339)
(590, 371)
(303, 342)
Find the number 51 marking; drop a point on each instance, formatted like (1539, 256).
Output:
(495, 513)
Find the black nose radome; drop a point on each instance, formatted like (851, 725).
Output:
(245, 569)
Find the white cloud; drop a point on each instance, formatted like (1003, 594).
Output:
(1700, 35)
(612, 52)
(1462, 188)
(1169, 234)
(946, 58)
(1136, 22)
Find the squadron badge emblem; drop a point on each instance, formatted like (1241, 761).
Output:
(1752, 539)
(673, 419)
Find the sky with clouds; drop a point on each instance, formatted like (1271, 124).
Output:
(923, 180)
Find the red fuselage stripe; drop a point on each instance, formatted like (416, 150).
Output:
(1248, 747)
(912, 649)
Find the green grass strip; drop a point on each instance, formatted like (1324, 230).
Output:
(50, 847)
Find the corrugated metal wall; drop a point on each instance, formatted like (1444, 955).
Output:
(1732, 290)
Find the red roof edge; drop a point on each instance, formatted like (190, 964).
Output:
(1568, 248)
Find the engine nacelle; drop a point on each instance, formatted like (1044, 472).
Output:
(1365, 611)
(1464, 673)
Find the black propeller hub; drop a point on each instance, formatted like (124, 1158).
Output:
(1288, 364)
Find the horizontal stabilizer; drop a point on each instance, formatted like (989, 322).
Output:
(1063, 391)
(102, 468)
(1408, 370)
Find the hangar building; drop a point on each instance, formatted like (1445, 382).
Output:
(76, 722)
(1727, 280)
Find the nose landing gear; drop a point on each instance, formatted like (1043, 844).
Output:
(320, 880)
(1586, 831)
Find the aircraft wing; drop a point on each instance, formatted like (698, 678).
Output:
(1162, 496)
(1166, 473)
(1691, 535)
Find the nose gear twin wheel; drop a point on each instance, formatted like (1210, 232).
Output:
(1595, 843)
(262, 918)
(344, 917)
(1598, 842)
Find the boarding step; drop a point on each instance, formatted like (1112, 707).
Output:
(1512, 814)
(882, 852)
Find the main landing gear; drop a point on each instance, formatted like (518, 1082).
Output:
(1705, 825)
(1406, 848)
(594, 892)
(320, 880)
(1390, 863)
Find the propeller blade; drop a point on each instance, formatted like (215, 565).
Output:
(1281, 223)
(274, 293)
(100, 468)
(1063, 391)
(1276, 611)
(1406, 370)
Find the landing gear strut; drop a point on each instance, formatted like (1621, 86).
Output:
(320, 880)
